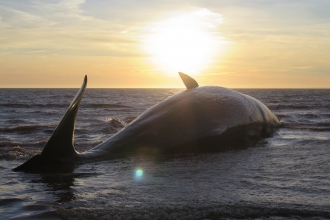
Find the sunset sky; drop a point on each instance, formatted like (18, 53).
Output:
(126, 44)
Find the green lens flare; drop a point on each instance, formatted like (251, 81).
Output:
(139, 172)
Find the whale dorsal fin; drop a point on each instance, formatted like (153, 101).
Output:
(189, 82)
(61, 143)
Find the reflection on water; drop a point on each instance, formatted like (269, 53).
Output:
(269, 179)
(60, 185)
(35, 196)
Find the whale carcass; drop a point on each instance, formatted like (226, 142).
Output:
(199, 119)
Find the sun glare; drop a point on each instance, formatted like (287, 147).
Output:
(185, 42)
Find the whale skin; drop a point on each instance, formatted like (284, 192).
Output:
(199, 119)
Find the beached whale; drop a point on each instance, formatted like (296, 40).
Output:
(207, 118)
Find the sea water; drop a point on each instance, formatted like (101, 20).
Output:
(285, 176)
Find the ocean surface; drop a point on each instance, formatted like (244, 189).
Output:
(285, 176)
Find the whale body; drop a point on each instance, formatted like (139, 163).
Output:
(201, 118)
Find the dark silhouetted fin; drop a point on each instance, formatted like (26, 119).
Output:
(61, 143)
(40, 164)
(189, 82)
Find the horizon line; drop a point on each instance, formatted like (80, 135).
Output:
(161, 87)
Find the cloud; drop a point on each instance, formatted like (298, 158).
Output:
(61, 27)
(208, 17)
(63, 9)
(110, 28)
(17, 19)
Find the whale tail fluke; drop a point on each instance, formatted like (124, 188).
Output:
(61, 143)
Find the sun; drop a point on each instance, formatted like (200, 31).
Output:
(183, 43)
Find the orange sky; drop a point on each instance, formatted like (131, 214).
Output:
(127, 44)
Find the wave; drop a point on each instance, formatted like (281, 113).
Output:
(18, 105)
(8, 143)
(308, 118)
(327, 115)
(193, 211)
(112, 125)
(320, 126)
(18, 152)
(26, 129)
(128, 120)
(305, 105)
(289, 106)
(105, 106)
(52, 105)
(15, 121)
(32, 105)
(319, 129)
(324, 123)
